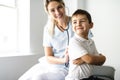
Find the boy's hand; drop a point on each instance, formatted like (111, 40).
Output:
(78, 61)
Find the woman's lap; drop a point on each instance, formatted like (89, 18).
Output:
(40, 72)
(49, 76)
(30, 72)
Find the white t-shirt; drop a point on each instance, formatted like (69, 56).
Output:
(78, 47)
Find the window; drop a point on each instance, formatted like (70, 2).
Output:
(14, 26)
(8, 28)
(8, 3)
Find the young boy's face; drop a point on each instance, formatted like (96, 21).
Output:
(81, 25)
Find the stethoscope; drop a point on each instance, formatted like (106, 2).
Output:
(66, 64)
(67, 33)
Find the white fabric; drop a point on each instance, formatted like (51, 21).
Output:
(43, 71)
(77, 48)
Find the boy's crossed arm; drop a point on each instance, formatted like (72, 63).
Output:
(90, 59)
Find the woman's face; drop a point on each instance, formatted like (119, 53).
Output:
(56, 10)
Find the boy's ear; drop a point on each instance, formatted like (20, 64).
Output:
(91, 25)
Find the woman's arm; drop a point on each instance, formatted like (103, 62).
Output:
(54, 60)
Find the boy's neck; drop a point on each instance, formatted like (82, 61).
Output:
(83, 36)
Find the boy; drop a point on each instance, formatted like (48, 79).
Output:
(82, 51)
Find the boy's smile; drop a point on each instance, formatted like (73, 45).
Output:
(81, 25)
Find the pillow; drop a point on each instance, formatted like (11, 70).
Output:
(104, 71)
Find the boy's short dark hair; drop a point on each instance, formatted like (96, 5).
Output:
(83, 12)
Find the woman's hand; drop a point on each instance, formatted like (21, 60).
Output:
(66, 57)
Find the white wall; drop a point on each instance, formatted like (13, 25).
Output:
(11, 68)
(38, 19)
(70, 8)
(106, 30)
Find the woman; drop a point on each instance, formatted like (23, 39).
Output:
(57, 33)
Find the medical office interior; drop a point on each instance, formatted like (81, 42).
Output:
(31, 19)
